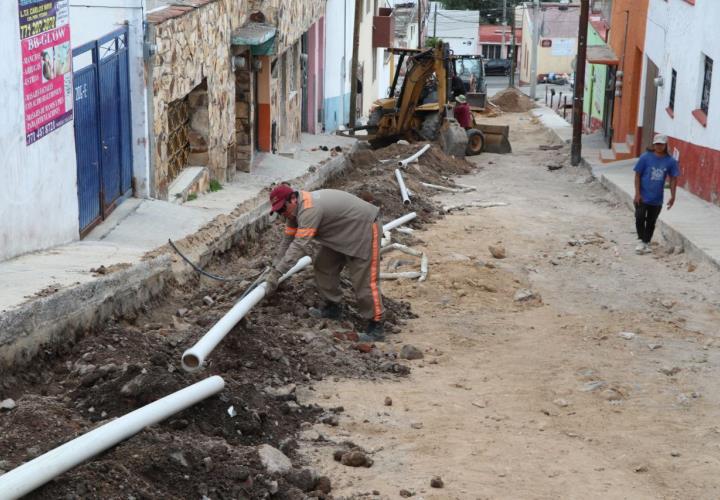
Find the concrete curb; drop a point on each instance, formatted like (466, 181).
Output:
(53, 322)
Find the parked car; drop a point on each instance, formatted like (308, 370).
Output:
(497, 67)
(553, 78)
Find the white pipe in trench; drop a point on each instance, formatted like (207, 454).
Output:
(403, 190)
(399, 221)
(35, 473)
(193, 358)
(404, 163)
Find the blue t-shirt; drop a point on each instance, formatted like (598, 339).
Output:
(653, 170)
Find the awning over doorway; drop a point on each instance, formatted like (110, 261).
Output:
(259, 36)
(601, 54)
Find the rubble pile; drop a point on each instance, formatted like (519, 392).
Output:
(214, 449)
(511, 100)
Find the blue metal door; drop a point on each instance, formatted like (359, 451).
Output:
(86, 141)
(103, 135)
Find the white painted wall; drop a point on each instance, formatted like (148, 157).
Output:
(338, 59)
(458, 28)
(92, 19)
(678, 36)
(39, 204)
(365, 57)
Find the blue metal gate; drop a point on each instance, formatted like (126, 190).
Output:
(102, 126)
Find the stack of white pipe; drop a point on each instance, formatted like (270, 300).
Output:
(421, 276)
(35, 473)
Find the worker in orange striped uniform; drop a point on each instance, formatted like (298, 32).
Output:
(348, 232)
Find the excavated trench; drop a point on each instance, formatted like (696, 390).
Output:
(210, 449)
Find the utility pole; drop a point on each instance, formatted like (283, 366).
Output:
(578, 98)
(502, 47)
(435, 23)
(419, 7)
(513, 56)
(354, 66)
(535, 43)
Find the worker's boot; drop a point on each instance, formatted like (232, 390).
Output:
(375, 332)
(331, 310)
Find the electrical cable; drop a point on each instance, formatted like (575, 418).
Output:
(201, 271)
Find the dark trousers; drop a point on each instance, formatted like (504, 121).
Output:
(645, 218)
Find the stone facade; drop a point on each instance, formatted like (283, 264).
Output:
(192, 45)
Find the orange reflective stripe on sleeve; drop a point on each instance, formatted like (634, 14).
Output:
(306, 232)
(374, 262)
(307, 199)
(290, 231)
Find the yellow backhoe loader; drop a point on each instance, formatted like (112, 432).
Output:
(421, 108)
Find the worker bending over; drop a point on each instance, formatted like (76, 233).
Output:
(348, 231)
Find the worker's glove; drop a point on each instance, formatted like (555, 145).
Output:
(271, 281)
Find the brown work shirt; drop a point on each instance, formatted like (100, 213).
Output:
(332, 218)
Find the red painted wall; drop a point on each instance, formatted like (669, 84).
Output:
(700, 169)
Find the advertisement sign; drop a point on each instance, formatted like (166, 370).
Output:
(46, 66)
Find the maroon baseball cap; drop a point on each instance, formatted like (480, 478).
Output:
(279, 195)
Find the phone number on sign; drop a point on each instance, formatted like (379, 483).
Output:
(37, 27)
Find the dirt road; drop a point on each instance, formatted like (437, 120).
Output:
(541, 397)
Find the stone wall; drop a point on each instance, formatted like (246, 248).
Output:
(286, 97)
(244, 114)
(193, 43)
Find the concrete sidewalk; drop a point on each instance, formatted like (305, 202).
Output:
(47, 293)
(691, 224)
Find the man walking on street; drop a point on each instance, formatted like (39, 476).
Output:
(651, 170)
(348, 231)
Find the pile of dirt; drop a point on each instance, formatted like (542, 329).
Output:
(372, 178)
(511, 100)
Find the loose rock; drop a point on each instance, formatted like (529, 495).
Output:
(437, 482)
(388, 401)
(7, 405)
(410, 352)
(274, 460)
(524, 295)
(497, 251)
(356, 458)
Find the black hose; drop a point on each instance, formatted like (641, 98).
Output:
(201, 271)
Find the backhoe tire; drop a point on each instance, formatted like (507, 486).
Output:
(431, 127)
(476, 142)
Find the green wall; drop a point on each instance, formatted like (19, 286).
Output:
(595, 77)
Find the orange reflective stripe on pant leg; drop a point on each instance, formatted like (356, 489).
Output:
(377, 307)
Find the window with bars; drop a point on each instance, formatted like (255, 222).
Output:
(673, 82)
(707, 79)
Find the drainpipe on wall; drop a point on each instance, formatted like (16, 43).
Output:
(149, 50)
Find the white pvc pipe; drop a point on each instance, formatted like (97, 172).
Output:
(399, 221)
(404, 275)
(403, 248)
(404, 163)
(405, 230)
(193, 358)
(423, 267)
(35, 473)
(403, 189)
(448, 189)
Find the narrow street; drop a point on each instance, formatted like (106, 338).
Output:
(542, 397)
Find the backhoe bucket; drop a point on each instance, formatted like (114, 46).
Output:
(496, 138)
(476, 100)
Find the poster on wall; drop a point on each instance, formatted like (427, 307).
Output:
(564, 47)
(46, 66)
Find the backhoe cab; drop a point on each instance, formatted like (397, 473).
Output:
(419, 105)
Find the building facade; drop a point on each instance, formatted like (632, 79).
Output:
(557, 26)
(682, 50)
